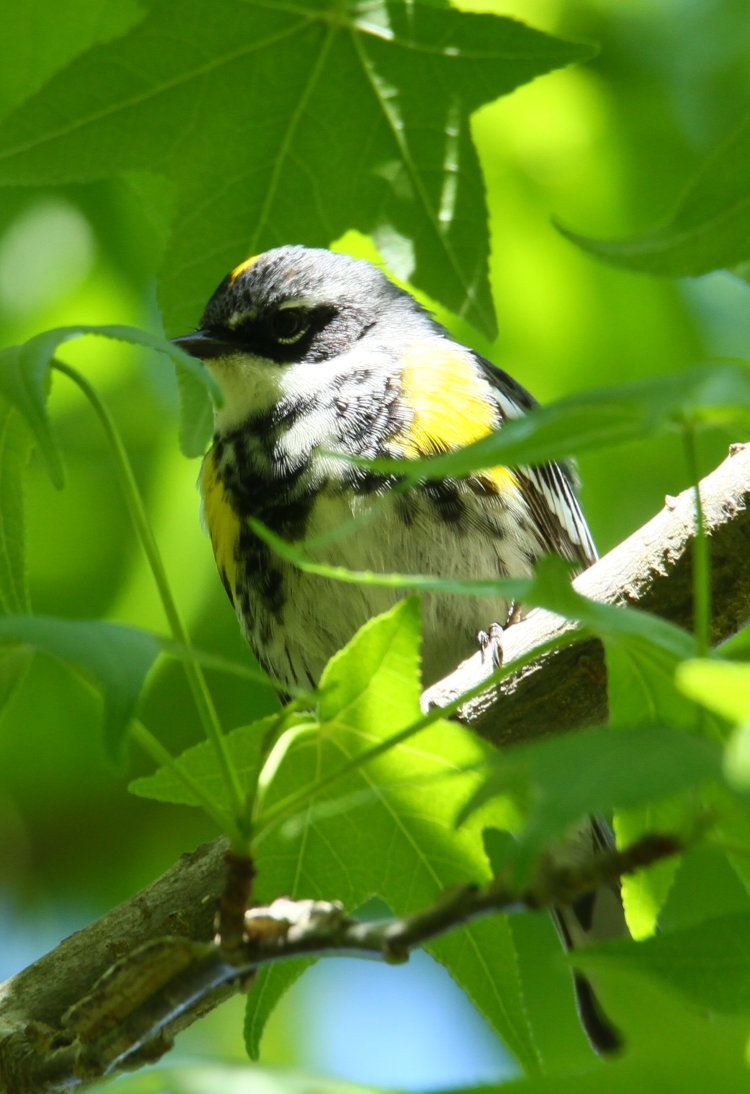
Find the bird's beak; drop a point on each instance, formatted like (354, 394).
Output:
(204, 345)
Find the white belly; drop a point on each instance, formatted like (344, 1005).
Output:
(320, 615)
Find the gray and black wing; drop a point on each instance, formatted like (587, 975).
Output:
(549, 489)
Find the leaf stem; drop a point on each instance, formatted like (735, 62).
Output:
(136, 508)
(161, 756)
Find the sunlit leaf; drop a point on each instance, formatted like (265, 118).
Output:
(34, 47)
(233, 1078)
(387, 827)
(245, 747)
(722, 686)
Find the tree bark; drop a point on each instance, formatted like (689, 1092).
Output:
(650, 570)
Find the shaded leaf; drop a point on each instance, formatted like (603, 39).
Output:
(14, 664)
(563, 779)
(709, 963)
(197, 386)
(24, 383)
(114, 657)
(270, 985)
(26, 391)
(344, 84)
(709, 229)
(15, 448)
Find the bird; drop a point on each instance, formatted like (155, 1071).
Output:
(324, 363)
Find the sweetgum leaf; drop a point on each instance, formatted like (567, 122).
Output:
(708, 962)
(244, 745)
(387, 827)
(42, 37)
(593, 770)
(287, 123)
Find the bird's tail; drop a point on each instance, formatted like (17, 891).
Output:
(595, 917)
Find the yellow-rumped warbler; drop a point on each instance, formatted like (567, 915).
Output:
(318, 353)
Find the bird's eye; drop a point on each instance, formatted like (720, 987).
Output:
(288, 325)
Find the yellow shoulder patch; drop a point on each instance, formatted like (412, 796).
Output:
(222, 521)
(451, 403)
(242, 267)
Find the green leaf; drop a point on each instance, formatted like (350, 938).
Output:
(197, 386)
(513, 588)
(709, 962)
(36, 44)
(245, 746)
(196, 412)
(670, 1049)
(24, 383)
(114, 657)
(270, 985)
(724, 688)
(709, 229)
(343, 84)
(26, 390)
(564, 779)
(15, 448)
(597, 419)
(14, 664)
(721, 686)
(643, 653)
(387, 827)
(642, 691)
(552, 589)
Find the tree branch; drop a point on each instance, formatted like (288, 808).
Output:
(651, 570)
(42, 1006)
(130, 1015)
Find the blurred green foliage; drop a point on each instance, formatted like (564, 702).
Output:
(605, 147)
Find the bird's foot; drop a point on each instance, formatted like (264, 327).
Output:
(491, 646)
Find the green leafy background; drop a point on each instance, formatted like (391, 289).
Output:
(145, 152)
